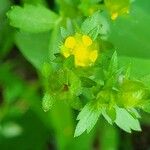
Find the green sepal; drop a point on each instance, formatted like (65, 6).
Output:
(87, 82)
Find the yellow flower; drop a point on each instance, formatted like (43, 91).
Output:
(86, 40)
(70, 42)
(83, 48)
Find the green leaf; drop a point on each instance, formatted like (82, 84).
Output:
(74, 82)
(68, 8)
(69, 62)
(94, 32)
(54, 42)
(76, 103)
(134, 113)
(69, 30)
(87, 118)
(146, 80)
(34, 47)
(58, 58)
(35, 2)
(6, 38)
(113, 66)
(106, 116)
(47, 102)
(64, 32)
(11, 129)
(87, 82)
(139, 66)
(130, 37)
(6, 32)
(126, 121)
(146, 106)
(32, 19)
(109, 114)
(95, 22)
(112, 72)
(47, 70)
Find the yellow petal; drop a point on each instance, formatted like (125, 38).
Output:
(70, 42)
(81, 56)
(87, 41)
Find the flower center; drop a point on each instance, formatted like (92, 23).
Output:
(85, 51)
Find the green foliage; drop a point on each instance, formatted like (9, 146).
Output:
(87, 118)
(131, 33)
(29, 19)
(126, 121)
(109, 92)
(34, 52)
(117, 7)
(146, 106)
(94, 25)
(47, 102)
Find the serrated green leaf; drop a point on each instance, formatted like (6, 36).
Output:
(69, 30)
(134, 113)
(126, 121)
(87, 118)
(112, 71)
(32, 18)
(94, 32)
(96, 22)
(113, 66)
(47, 102)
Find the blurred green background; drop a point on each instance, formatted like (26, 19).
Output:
(23, 123)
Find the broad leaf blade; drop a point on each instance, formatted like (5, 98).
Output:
(32, 19)
(34, 47)
(126, 121)
(87, 118)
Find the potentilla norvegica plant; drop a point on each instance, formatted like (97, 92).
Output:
(82, 67)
